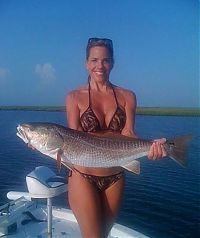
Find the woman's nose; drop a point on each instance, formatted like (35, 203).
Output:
(100, 64)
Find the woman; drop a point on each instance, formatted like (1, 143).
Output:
(100, 107)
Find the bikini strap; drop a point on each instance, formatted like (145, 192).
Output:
(89, 95)
(114, 95)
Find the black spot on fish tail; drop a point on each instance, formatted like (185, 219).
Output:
(177, 149)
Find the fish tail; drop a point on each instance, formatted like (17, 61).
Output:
(177, 149)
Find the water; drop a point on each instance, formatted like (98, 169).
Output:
(164, 201)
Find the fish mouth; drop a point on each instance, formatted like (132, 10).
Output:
(22, 134)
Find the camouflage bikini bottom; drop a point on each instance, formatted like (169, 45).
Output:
(101, 182)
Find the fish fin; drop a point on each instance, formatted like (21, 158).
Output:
(68, 164)
(177, 148)
(59, 159)
(133, 167)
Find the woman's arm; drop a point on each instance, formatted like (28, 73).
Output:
(130, 109)
(72, 110)
(157, 150)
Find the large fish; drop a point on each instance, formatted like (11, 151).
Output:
(71, 147)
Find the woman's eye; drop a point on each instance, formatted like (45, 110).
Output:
(107, 61)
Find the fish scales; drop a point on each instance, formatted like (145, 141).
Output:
(94, 153)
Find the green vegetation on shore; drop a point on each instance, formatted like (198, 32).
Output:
(33, 108)
(170, 111)
(153, 111)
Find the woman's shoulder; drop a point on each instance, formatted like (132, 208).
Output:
(76, 93)
(124, 92)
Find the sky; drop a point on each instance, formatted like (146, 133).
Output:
(156, 49)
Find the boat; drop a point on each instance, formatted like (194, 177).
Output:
(27, 216)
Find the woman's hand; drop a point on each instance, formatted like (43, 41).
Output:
(157, 150)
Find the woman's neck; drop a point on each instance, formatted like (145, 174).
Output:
(100, 86)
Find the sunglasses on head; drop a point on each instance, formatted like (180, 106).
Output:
(101, 40)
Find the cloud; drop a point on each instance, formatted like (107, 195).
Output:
(46, 72)
(4, 73)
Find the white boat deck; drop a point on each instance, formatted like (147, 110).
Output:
(28, 219)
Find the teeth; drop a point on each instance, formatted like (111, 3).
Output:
(21, 135)
(100, 73)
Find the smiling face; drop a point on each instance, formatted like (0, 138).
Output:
(99, 63)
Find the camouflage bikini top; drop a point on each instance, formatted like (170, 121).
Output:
(90, 123)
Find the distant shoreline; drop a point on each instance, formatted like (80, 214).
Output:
(151, 111)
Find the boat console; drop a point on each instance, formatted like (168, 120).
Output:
(43, 183)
